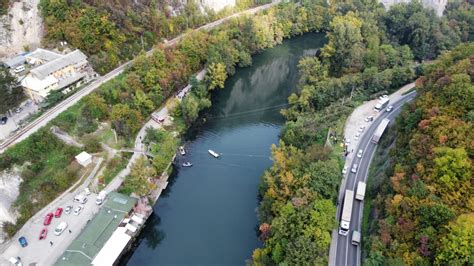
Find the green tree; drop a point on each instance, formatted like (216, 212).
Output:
(12, 93)
(97, 106)
(140, 180)
(216, 75)
(457, 247)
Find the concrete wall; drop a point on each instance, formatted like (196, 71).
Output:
(217, 5)
(437, 5)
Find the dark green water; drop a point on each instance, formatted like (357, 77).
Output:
(208, 213)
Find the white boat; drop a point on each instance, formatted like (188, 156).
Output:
(213, 153)
(187, 164)
(181, 150)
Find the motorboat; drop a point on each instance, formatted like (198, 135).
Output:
(187, 164)
(182, 151)
(213, 153)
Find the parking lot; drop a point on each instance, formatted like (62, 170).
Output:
(41, 251)
(16, 119)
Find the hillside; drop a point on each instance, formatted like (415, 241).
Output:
(111, 32)
(426, 205)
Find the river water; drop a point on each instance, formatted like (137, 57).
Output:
(207, 215)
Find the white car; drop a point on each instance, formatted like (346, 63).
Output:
(87, 191)
(389, 109)
(354, 168)
(80, 199)
(60, 229)
(68, 209)
(383, 96)
(356, 137)
(359, 154)
(361, 129)
(348, 141)
(369, 119)
(78, 210)
(344, 170)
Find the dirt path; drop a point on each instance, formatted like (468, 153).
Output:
(21, 28)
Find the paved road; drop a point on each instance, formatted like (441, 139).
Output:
(346, 253)
(61, 107)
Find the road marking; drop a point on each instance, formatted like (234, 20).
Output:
(366, 174)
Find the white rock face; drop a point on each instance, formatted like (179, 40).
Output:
(437, 5)
(9, 190)
(21, 27)
(217, 5)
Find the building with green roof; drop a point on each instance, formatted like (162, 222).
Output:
(96, 233)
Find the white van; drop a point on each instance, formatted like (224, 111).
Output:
(60, 229)
(19, 69)
(355, 238)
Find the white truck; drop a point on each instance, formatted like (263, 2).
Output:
(346, 212)
(360, 192)
(101, 197)
(382, 104)
(379, 131)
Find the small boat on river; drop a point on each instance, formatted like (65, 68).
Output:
(187, 164)
(182, 151)
(213, 153)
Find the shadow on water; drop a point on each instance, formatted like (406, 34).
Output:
(207, 214)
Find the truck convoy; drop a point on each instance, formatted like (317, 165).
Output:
(346, 212)
(379, 131)
(360, 192)
(382, 104)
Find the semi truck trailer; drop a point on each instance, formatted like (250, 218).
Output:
(346, 212)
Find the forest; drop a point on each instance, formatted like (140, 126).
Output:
(112, 32)
(369, 52)
(424, 207)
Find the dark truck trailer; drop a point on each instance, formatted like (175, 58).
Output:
(379, 131)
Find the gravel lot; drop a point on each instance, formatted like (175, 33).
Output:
(356, 119)
(29, 108)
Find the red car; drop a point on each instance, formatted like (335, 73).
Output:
(48, 218)
(43, 234)
(58, 212)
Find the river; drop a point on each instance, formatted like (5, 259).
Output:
(207, 215)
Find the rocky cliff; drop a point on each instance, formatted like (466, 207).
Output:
(437, 5)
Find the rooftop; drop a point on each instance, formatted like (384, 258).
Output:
(46, 69)
(44, 55)
(15, 61)
(98, 231)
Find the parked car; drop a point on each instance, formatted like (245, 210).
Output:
(58, 212)
(80, 199)
(356, 137)
(3, 120)
(361, 129)
(369, 119)
(23, 241)
(78, 210)
(18, 110)
(87, 191)
(359, 154)
(19, 69)
(383, 96)
(354, 168)
(68, 209)
(389, 109)
(48, 218)
(43, 234)
(344, 170)
(60, 229)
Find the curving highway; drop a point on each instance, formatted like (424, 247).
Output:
(344, 253)
(62, 106)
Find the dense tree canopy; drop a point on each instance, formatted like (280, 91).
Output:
(429, 201)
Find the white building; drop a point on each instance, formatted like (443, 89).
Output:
(53, 71)
(84, 158)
